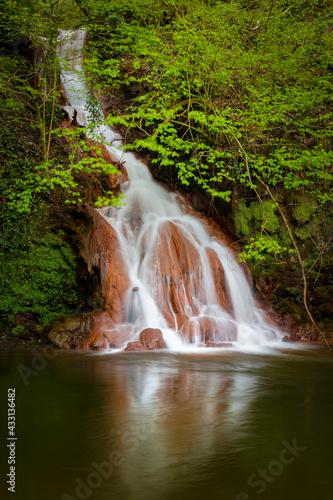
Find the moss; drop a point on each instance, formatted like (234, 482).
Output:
(17, 330)
(271, 220)
(243, 216)
(249, 218)
(310, 230)
(41, 279)
(303, 211)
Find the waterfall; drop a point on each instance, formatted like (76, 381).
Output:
(182, 278)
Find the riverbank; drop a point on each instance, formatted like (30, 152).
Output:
(8, 343)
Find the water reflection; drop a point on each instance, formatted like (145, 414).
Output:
(156, 417)
(178, 427)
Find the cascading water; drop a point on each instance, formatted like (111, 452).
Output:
(182, 278)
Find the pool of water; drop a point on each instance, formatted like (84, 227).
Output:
(233, 426)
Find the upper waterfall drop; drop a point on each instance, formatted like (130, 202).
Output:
(180, 277)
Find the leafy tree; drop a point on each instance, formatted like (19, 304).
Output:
(234, 96)
(43, 167)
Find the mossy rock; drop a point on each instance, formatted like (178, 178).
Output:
(39, 279)
(303, 211)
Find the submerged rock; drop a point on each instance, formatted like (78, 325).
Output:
(208, 329)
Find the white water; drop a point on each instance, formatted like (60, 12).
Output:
(139, 225)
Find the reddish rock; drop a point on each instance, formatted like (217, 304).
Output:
(181, 320)
(101, 321)
(118, 336)
(177, 265)
(151, 339)
(286, 338)
(103, 252)
(113, 181)
(218, 344)
(295, 337)
(218, 278)
(135, 346)
(104, 333)
(208, 329)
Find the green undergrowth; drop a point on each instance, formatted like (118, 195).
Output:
(39, 278)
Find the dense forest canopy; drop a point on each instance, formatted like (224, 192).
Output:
(233, 96)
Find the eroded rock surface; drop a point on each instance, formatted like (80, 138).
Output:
(151, 339)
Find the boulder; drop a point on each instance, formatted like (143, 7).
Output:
(69, 333)
(151, 339)
(295, 337)
(135, 346)
(105, 333)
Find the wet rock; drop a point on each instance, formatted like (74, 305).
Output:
(105, 334)
(208, 329)
(61, 338)
(118, 336)
(264, 288)
(29, 321)
(151, 339)
(103, 251)
(218, 344)
(295, 337)
(135, 346)
(219, 279)
(286, 338)
(181, 320)
(177, 266)
(68, 334)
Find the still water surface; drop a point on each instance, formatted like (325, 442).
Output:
(230, 426)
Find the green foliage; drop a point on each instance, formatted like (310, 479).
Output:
(243, 216)
(259, 224)
(225, 94)
(255, 217)
(304, 210)
(17, 330)
(109, 200)
(308, 231)
(44, 169)
(41, 279)
(233, 96)
(263, 250)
